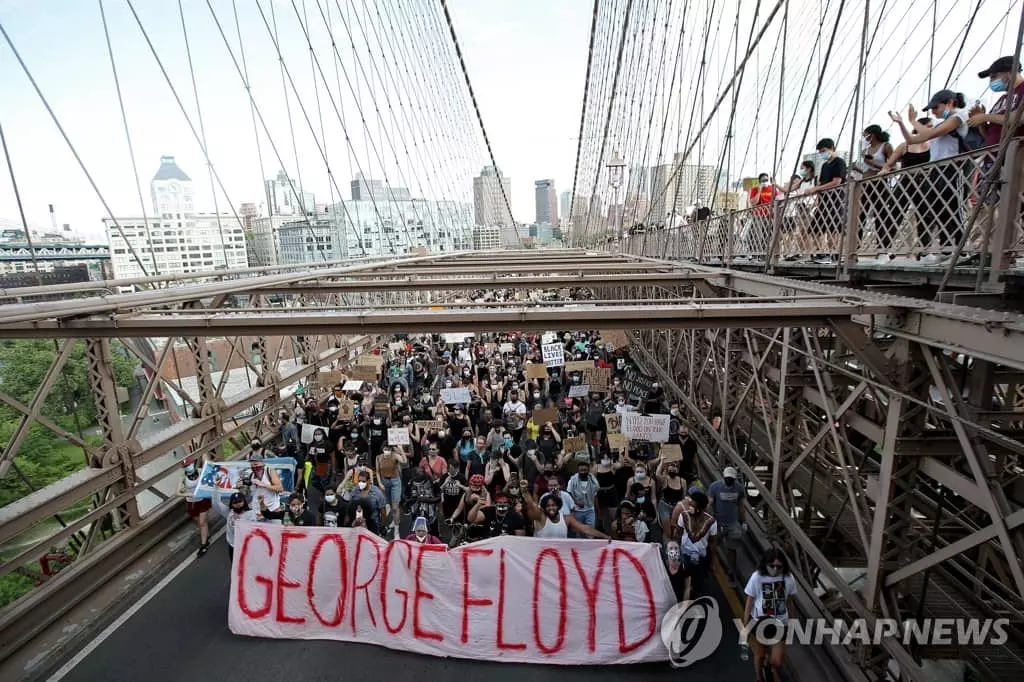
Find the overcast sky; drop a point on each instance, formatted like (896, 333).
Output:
(527, 60)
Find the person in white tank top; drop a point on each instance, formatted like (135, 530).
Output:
(548, 521)
(266, 489)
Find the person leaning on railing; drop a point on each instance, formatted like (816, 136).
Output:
(829, 213)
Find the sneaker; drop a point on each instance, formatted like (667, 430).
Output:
(884, 258)
(203, 549)
(931, 259)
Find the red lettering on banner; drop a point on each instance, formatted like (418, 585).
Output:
(500, 638)
(339, 615)
(243, 603)
(384, 585)
(282, 582)
(590, 590)
(364, 587)
(652, 619)
(468, 601)
(417, 631)
(562, 601)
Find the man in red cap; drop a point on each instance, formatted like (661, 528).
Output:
(499, 519)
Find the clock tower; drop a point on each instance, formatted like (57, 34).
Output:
(171, 190)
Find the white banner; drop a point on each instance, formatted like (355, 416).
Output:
(554, 354)
(450, 396)
(509, 599)
(653, 428)
(579, 391)
(398, 436)
(457, 337)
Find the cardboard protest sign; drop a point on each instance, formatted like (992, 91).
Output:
(346, 410)
(554, 354)
(637, 384)
(670, 452)
(545, 415)
(352, 386)
(653, 428)
(574, 444)
(396, 346)
(450, 396)
(616, 441)
(506, 348)
(579, 365)
(371, 360)
(347, 584)
(598, 377)
(430, 424)
(363, 373)
(536, 371)
(579, 391)
(399, 436)
(613, 422)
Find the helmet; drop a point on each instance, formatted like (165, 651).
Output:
(476, 480)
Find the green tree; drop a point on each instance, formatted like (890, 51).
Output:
(23, 366)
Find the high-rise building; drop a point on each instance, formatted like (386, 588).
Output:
(564, 207)
(286, 197)
(486, 237)
(547, 201)
(639, 183)
(174, 239)
(311, 241)
(265, 245)
(489, 205)
(674, 191)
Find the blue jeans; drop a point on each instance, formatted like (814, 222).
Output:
(392, 489)
(585, 517)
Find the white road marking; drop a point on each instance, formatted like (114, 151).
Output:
(123, 618)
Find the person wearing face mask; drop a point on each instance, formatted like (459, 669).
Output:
(621, 406)
(829, 213)
(197, 509)
(582, 488)
(697, 533)
(726, 505)
(389, 465)
(237, 509)
(367, 503)
(941, 216)
(514, 413)
(320, 455)
(298, 514)
(644, 507)
(1009, 83)
(496, 473)
(640, 477)
(500, 519)
(332, 508)
(677, 575)
(466, 446)
(266, 488)
(770, 592)
(607, 492)
(421, 533)
(671, 487)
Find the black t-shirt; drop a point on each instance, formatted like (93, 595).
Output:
(507, 525)
(832, 169)
(378, 432)
(332, 515)
(451, 493)
(688, 447)
(305, 518)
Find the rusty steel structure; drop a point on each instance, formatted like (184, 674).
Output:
(878, 434)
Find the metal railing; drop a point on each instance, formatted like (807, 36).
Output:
(917, 213)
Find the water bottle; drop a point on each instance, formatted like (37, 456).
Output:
(744, 652)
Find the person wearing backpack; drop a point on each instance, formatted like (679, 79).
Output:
(942, 216)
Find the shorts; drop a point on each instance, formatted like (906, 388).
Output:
(198, 507)
(392, 489)
(730, 536)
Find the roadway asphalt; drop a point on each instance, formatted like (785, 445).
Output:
(182, 634)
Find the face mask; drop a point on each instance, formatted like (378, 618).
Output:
(501, 509)
(331, 499)
(354, 435)
(398, 403)
(605, 462)
(362, 485)
(442, 434)
(190, 470)
(622, 402)
(673, 554)
(641, 475)
(673, 474)
(946, 114)
(805, 173)
(536, 396)
(318, 437)
(764, 183)
(508, 443)
(421, 536)
(729, 481)
(584, 476)
(998, 86)
(640, 500)
(674, 412)
(822, 157)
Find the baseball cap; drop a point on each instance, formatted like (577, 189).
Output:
(938, 98)
(1001, 65)
(729, 472)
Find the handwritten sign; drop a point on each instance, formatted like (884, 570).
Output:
(670, 452)
(520, 600)
(506, 348)
(536, 371)
(618, 442)
(549, 337)
(430, 424)
(457, 337)
(613, 422)
(346, 410)
(396, 347)
(653, 428)
(398, 436)
(370, 360)
(554, 354)
(450, 396)
(598, 377)
(637, 384)
(579, 365)
(579, 391)
(352, 386)
(575, 444)
(544, 415)
(363, 373)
